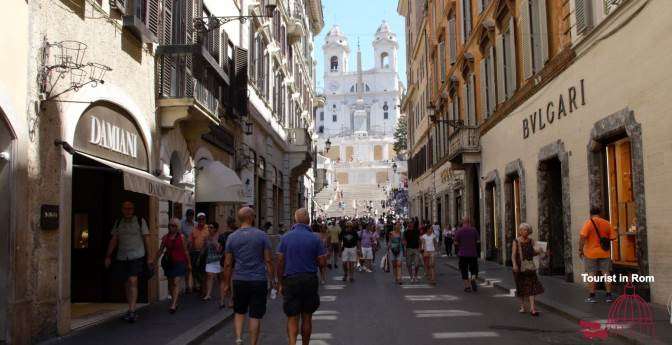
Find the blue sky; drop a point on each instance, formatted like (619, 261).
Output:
(361, 18)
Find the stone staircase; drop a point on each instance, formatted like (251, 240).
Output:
(329, 200)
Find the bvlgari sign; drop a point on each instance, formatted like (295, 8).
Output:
(107, 132)
(555, 109)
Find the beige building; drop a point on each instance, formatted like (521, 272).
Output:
(545, 114)
(146, 100)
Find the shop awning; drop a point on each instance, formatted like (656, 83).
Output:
(145, 183)
(215, 182)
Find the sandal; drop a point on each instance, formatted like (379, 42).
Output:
(206, 298)
(534, 313)
(522, 310)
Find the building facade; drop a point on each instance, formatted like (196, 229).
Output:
(148, 101)
(548, 115)
(360, 111)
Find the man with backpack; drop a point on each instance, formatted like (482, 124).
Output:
(595, 250)
(130, 238)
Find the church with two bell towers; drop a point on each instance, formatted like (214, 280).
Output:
(356, 126)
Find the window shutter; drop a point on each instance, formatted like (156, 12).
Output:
(453, 40)
(442, 60)
(482, 89)
(224, 53)
(543, 32)
(480, 6)
(526, 38)
(499, 51)
(462, 35)
(188, 20)
(512, 61)
(465, 95)
(152, 22)
(472, 100)
(467, 19)
(584, 15)
(167, 22)
(491, 80)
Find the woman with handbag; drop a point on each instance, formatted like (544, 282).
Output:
(175, 261)
(525, 270)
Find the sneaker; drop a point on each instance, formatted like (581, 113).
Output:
(239, 341)
(590, 300)
(132, 317)
(368, 270)
(474, 286)
(345, 278)
(609, 299)
(127, 316)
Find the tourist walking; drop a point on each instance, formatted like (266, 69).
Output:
(466, 239)
(248, 264)
(186, 227)
(448, 239)
(175, 261)
(323, 235)
(429, 244)
(367, 238)
(334, 230)
(213, 254)
(595, 250)
(412, 250)
(525, 270)
(299, 254)
(196, 245)
(130, 238)
(223, 283)
(395, 251)
(350, 246)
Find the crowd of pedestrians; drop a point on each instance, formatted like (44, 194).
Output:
(239, 257)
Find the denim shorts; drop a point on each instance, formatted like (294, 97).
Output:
(593, 265)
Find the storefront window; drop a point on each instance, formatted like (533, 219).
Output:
(622, 212)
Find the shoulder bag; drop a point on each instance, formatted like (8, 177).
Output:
(525, 265)
(605, 242)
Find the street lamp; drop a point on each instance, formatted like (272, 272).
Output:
(457, 124)
(200, 24)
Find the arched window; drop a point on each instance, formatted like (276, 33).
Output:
(385, 60)
(386, 109)
(334, 64)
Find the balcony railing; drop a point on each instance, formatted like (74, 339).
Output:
(177, 79)
(465, 140)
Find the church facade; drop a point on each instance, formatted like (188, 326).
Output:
(356, 125)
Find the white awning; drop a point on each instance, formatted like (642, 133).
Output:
(145, 183)
(215, 182)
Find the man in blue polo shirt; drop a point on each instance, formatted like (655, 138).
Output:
(299, 254)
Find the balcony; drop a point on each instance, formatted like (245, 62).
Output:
(295, 30)
(464, 146)
(301, 150)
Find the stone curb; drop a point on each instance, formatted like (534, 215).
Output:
(204, 330)
(570, 313)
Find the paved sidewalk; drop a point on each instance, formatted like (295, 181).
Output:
(567, 299)
(194, 320)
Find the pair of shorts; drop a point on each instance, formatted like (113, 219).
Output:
(468, 265)
(250, 296)
(125, 269)
(593, 265)
(367, 253)
(349, 254)
(176, 269)
(430, 255)
(213, 267)
(395, 257)
(300, 293)
(412, 257)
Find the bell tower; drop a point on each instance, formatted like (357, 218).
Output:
(385, 47)
(336, 52)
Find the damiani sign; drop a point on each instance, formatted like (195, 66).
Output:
(108, 132)
(113, 137)
(566, 104)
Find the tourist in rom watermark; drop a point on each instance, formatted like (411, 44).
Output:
(524, 269)
(595, 250)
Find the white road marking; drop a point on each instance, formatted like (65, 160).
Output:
(318, 336)
(337, 278)
(512, 293)
(327, 298)
(444, 313)
(457, 335)
(334, 287)
(325, 317)
(326, 312)
(416, 286)
(426, 298)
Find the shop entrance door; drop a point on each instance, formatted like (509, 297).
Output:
(5, 207)
(97, 194)
(552, 228)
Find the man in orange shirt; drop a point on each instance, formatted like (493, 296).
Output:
(595, 257)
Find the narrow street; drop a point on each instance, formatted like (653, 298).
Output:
(373, 310)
